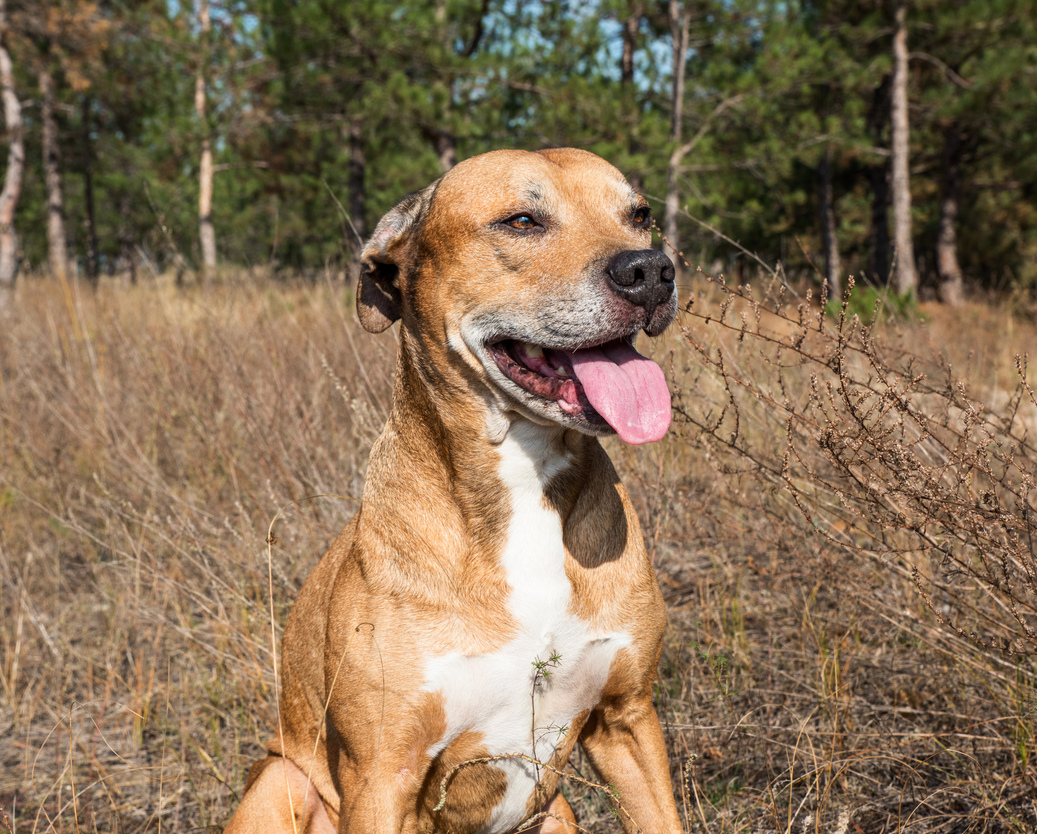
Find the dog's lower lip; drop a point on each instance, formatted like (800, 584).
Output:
(542, 372)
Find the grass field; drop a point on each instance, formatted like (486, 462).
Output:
(843, 522)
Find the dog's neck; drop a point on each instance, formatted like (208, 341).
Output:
(453, 447)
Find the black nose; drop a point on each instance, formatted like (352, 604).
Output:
(643, 277)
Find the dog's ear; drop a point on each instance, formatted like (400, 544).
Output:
(379, 302)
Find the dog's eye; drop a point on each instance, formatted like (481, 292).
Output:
(642, 217)
(522, 222)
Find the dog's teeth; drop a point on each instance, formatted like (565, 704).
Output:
(533, 351)
(562, 372)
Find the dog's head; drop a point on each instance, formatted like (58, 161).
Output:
(527, 276)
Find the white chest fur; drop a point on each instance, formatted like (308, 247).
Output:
(523, 697)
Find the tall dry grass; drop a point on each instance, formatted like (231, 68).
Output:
(148, 439)
(841, 519)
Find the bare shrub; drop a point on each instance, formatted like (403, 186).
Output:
(885, 453)
(845, 535)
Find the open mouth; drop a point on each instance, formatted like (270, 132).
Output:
(609, 383)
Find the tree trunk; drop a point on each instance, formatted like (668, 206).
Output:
(15, 169)
(829, 233)
(680, 20)
(357, 196)
(877, 270)
(906, 275)
(128, 256)
(446, 149)
(441, 138)
(952, 290)
(206, 230)
(878, 233)
(57, 248)
(92, 259)
(357, 181)
(127, 248)
(631, 28)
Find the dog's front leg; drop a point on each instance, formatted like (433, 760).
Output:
(383, 766)
(280, 799)
(624, 741)
(385, 802)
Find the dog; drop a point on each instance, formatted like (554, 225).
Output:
(491, 604)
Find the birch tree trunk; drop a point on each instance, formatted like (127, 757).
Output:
(680, 21)
(15, 169)
(906, 275)
(57, 248)
(952, 289)
(206, 230)
(829, 234)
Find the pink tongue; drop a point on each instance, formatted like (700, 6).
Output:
(625, 388)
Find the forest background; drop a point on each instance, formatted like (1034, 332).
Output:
(271, 134)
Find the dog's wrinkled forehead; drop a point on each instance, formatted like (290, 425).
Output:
(564, 181)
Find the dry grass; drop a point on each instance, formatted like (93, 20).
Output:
(842, 522)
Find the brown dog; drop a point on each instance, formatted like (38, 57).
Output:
(491, 604)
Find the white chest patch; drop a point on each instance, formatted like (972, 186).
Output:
(523, 697)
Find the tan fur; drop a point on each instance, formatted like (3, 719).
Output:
(417, 573)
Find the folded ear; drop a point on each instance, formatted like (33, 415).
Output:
(378, 299)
